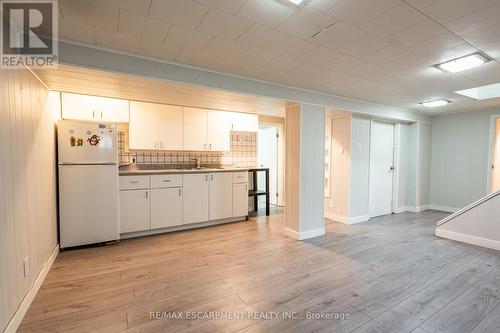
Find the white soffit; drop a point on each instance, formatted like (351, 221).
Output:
(481, 93)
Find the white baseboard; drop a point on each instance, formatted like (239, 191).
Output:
(469, 239)
(444, 208)
(303, 235)
(30, 296)
(347, 220)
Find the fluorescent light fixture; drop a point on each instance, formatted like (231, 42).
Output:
(483, 92)
(463, 63)
(436, 103)
(296, 2)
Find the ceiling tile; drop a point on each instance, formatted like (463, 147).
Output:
(222, 48)
(479, 20)
(320, 55)
(116, 41)
(186, 13)
(362, 46)
(292, 47)
(255, 57)
(306, 22)
(483, 36)
(224, 25)
(140, 7)
(230, 6)
(324, 5)
(445, 11)
(435, 45)
(75, 31)
(340, 33)
(155, 49)
(356, 12)
(91, 13)
(225, 65)
(386, 55)
(343, 64)
(141, 26)
(260, 36)
(417, 33)
(282, 64)
(187, 38)
(270, 13)
(393, 21)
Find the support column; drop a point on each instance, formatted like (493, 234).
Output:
(304, 175)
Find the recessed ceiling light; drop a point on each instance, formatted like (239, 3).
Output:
(463, 63)
(483, 92)
(436, 103)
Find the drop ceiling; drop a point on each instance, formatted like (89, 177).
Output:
(380, 51)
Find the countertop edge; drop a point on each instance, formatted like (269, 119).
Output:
(176, 172)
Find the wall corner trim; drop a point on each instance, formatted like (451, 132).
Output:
(347, 220)
(303, 235)
(16, 320)
(444, 208)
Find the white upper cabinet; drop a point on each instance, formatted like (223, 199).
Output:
(244, 122)
(155, 126)
(93, 108)
(112, 110)
(219, 131)
(195, 129)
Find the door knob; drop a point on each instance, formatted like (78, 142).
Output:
(391, 168)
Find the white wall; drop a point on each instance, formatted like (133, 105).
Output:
(28, 218)
(459, 165)
(424, 165)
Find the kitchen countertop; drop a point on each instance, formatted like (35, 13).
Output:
(135, 170)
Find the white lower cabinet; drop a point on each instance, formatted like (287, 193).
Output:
(221, 195)
(166, 207)
(240, 199)
(195, 203)
(135, 211)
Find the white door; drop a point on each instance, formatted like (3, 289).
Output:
(240, 199)
(134, 211)
(221, 195)
(170, 132)
(195, 198)
(166, 207)
(195, 129)
(88, 204)
(496, 159)
(381, 168)
(219, 130)
(143, 127)
(113, 110)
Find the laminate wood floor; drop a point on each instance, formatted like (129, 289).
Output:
(387, 275)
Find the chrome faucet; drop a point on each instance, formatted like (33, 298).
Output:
(196, 160)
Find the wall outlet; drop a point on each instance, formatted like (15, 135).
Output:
(26, 266)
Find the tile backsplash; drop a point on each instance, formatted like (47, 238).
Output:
(243, 152)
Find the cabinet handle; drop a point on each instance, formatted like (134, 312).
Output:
(204, 146)
(166, 180)
(101, 114)
(206, 178)
(180, 192)
(210, 146)
(147, 194)
(134, 182)
(161, 144)
(212, 177)
(93, 114)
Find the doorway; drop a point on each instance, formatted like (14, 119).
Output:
(381, 168)
(270, 155)
(495, 165)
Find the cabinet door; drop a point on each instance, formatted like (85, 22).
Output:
(221, 195)
(196, 197)
(240, 199)
(143, 128)
(135, 211)
(219, 130)
(166, 207)
(113, 110)
(195, 129)
(79, 107)
(245, 122)
(170, 134)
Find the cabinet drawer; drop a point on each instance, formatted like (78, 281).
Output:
(163, 181)
(134, 182)
(240, 177)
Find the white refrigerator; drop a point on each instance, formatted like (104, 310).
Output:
(88, 183)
